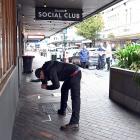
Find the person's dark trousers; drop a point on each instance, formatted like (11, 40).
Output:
(83, 65)
(64, 95)
(99, 63)
(108, 63)
(74, 84)
(75, 97)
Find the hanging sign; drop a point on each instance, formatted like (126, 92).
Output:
(44, 13)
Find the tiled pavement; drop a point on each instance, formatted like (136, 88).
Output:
(101, 119)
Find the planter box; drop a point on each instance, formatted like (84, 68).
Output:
(123, 88)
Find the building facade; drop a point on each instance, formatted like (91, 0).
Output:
(121, 21)
(121, 24)
(67, 37)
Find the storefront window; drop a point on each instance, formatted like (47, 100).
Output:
(7, 37)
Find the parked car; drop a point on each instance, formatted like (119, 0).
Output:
(75, 59)
(93, 58)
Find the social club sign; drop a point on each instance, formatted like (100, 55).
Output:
(43, 13)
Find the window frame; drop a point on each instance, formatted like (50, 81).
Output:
(9, 46)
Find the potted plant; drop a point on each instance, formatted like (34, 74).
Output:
(125, 78)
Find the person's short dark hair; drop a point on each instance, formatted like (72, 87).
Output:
(37, 72)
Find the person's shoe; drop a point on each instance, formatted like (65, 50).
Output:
(67, 127)
(60, 112)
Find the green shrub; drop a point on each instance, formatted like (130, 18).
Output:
(129, 57)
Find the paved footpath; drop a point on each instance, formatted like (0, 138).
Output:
(101, 119)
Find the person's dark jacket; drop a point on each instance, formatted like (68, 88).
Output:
(57, 71)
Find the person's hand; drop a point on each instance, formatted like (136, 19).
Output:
(44, 86)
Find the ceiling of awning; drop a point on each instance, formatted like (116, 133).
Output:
(48, 28)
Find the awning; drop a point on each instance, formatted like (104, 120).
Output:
(31, 26)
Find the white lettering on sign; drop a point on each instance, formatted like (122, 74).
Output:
(66, 15)
(39, 14)
(42, 14)
(58, 15)
(49, 14)
(71, 15)
(78, 16)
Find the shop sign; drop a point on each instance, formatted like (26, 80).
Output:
(43, 13)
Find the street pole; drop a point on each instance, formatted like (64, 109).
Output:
(64, 43)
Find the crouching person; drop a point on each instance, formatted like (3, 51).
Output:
(71, 75)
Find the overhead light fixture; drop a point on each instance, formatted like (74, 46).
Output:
(45, 3)
(36, 37)
(19, 5)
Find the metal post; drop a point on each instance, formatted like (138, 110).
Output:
(64, 42)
